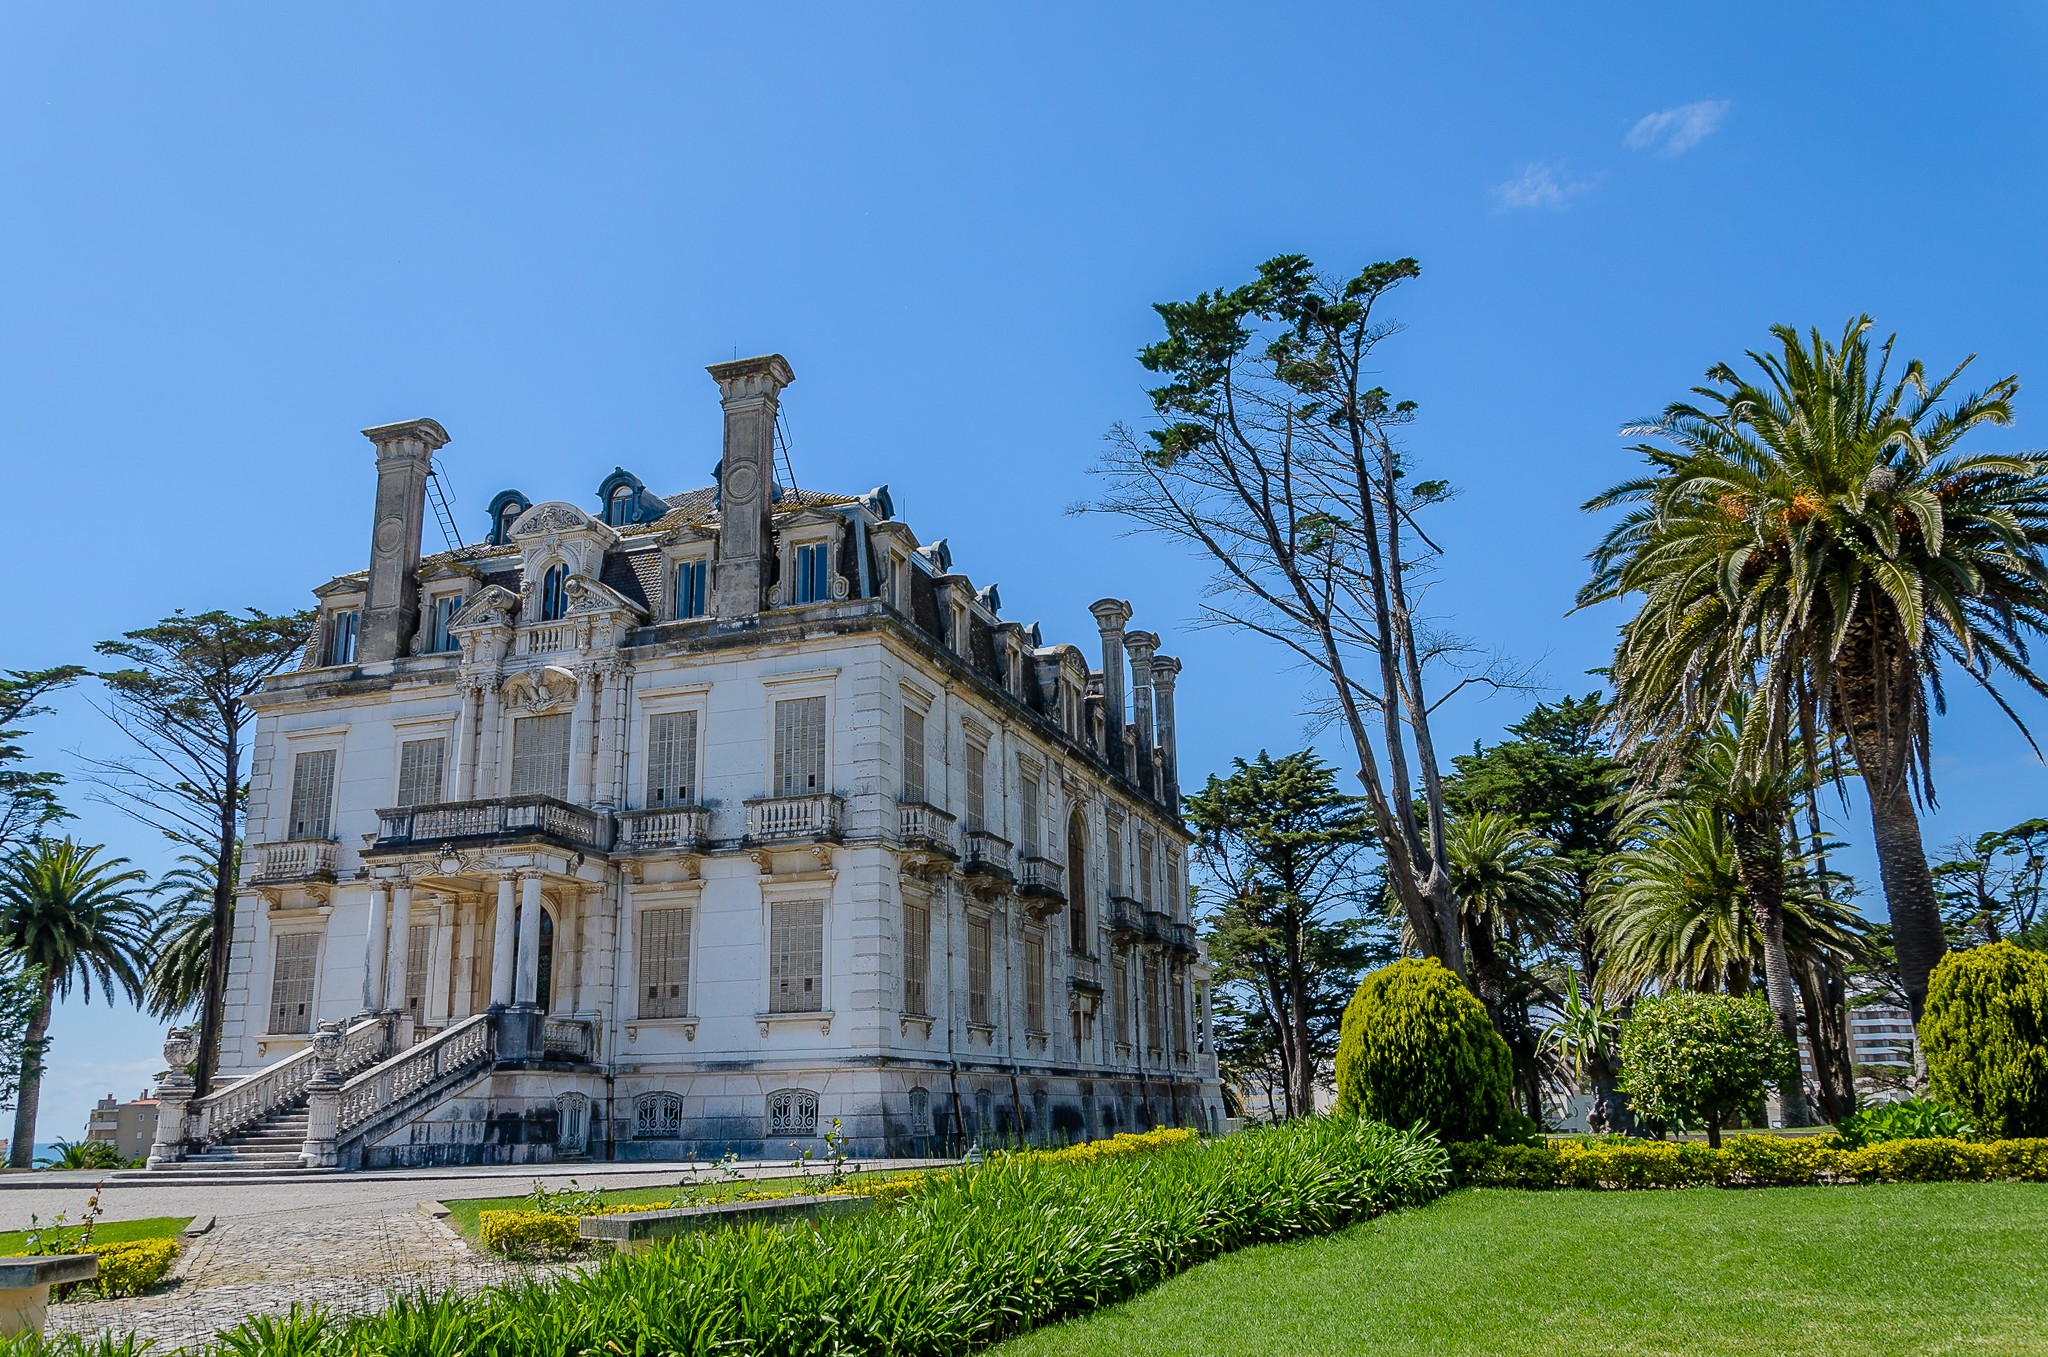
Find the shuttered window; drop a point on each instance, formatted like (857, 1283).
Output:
(977, 787)
(291, 983)
(1027, 800)
(672, 759)
(1145, 868)
(796, 956)
(312, 813)
(979, 969)
(419, 955)
(665, 963)
(1151, 982)
(917, 957)
(800, 746)
(1120, 1002)
(419, 771)
(913, 754)
(1034, 982)
(1115, 859)
(540, 756)
(690, 577)
(813, 574)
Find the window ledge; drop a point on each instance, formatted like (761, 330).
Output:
(820, 1016)
(920, 1020)
(688, 1026)
(986, 1031)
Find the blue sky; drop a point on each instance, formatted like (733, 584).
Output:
(237, 234)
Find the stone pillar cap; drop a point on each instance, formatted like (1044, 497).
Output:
(1164, 669)
(1110, 613)
(1141, 644)
(426, 431)
(770, 371)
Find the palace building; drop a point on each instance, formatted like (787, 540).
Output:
(697, 824)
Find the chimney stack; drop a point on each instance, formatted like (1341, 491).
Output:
(1110, 616)
(1165, 671)
(405, 457)
(1141, 645)
(748, 389)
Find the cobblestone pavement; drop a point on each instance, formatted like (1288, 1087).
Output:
(345, 1264)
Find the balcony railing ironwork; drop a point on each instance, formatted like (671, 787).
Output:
(923, 826)
(295, 860)
(794, 819)
(679, 829)
(509, 817)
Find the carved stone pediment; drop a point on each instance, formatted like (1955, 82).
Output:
(535, 692)
(557, 516)
(493, 606)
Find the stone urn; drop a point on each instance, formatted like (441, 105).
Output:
(179, 1048)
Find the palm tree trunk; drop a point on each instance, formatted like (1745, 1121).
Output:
(1826, 1001)
(1908, 888)
(21, 1154)
(1760, 865)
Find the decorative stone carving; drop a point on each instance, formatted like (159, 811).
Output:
(493, 606)
(179, 1048)
(552, 517)
(535, 692)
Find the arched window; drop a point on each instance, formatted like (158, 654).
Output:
(792, 1112)
(507, 516)
(1077, 885)
(658, 1116)
(554, 594)
(618, 510)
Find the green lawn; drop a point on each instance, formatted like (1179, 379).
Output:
(108, 1232)
(462, 1215)
(1828, 1271)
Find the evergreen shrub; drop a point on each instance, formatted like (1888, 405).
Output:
(1985, 1033)
(527, 1233)
(128, 1268)
(1746, 1161)
(1417, 1049)
(1689, 1060)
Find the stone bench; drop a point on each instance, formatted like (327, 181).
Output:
(25, 1287)
(637, 1229)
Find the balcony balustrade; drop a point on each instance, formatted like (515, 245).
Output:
(925, 827)
(986, 855)
(794, 819)
(1158, 925)
(548, 637)
(509, 817)
(1084, 973)
(569, 1037)
(296, 860)
(678, 829)
(1042, 879)
(1124, 918)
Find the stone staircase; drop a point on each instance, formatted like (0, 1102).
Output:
(270, 1148)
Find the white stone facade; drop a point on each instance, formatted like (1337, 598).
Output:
(769, 812)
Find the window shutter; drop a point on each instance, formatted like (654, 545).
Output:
(312, 810)
(979, 968)
(917, 957)
(419, 771)
(291, 983)
(913, 754)
(540, 756)
(800, 746)
(796, 956)
(1034, 983)
(1027, 833)
(977, 788)
(671, 759)
(1115, 858)
(665, 963)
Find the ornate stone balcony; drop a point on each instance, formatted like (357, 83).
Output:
(1180, 939)
(295, 860)
(794, 819)
(546, 638)
(678, 829)
(1158, 927)
(509, 817)
(926, 828)
(1124, 918)
(1084, 974)
(1043, 884)
(569, 1037)
(986, 855)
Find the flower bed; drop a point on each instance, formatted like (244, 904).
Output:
(1747, 1161)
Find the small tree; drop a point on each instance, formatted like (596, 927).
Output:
(1418, 1049)
(28, 800)
(1986, 1037)
(1693, 1059)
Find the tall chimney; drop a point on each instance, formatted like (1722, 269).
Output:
(1110, 616)
(405, 456)
(1141, 645)
(748, 390)
(1165, 671)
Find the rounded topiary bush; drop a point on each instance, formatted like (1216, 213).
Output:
(1418, 1049)
(1985, 1033)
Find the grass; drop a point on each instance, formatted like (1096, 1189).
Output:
(1829, 1271)
(107, 1232)
(463, 1214)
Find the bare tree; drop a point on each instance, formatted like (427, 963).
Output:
(179, 702)
(1277, 456)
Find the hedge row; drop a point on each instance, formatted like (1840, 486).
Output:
(1746, 1161)
(964, 1260)
(127, 1268)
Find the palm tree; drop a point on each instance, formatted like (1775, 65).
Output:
(1514, 890)
(177, 976)
(77, 919)
(1814, 531)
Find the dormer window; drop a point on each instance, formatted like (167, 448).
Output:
(690, 587)
(439, 638)
(341, 637)
(554, 594)
(813, 573)
(618, 510)
(506, 506)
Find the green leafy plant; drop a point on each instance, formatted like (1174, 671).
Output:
(1418, 1049)
(1747, 1161)
(82, 1154)
(1692, 1059)
(526, 1234)
(1986, 1037)
(1912, 1119)
(568, 1200)
(60, 1237)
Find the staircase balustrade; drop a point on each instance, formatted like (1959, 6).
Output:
(247, 1101)
(468, 1044)
(570, 1036)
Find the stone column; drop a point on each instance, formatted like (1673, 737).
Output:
(405, 454)
(1110, 616)
(580, 720)
(485, 767)
(1165, 671)
(463, 776)
(1141, 645)
(604, 793)
(504, 955)
(400, 935)
(376, 950)
(527, 993)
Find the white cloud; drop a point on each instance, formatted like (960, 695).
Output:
(1677, 130)
(1542, 184)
